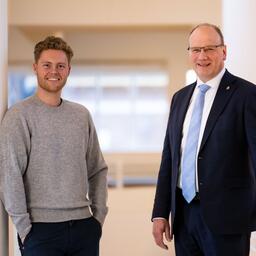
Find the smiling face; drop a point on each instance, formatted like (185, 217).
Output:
(52, 70)
(206, 64)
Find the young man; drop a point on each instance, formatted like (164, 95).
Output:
(208, 171)
(52, 172)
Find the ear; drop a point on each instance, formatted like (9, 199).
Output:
(69, 69)
(224, 52)
(35, 68)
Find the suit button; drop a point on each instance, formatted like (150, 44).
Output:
(201, 184)
(200, 157)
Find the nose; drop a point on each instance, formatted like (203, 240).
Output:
(202, 54)
(53, 70)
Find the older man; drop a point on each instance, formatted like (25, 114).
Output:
(207, 175)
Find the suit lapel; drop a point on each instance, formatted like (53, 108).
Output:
(184, 101)
(225, 91)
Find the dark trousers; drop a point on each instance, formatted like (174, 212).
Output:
(193, 238)
(70, 238)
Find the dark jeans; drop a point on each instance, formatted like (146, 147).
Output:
(69, 238)
(192, 236)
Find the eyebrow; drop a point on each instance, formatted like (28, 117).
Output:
(207, 46)
(64, 63)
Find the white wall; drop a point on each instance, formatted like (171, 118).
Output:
(3, 107)
(239, 31)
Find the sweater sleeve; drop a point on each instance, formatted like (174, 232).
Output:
(97, 176)
(14, 150)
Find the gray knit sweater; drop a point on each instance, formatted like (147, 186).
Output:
(51, 166)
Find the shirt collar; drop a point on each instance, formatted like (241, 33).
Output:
(214, 82)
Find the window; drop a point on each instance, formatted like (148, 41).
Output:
(129, 105)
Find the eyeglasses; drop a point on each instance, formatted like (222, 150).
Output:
(206, 49)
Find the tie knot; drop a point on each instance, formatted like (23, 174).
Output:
(204, 87)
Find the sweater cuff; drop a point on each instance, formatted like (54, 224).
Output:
(22, 224)
(25, 232)
(100, 215)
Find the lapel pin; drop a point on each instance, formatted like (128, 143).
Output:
(227, 88)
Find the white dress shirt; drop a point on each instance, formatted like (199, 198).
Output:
(209, 98)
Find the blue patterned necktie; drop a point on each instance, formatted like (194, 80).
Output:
(188, 167)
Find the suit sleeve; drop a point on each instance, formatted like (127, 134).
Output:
(250, 124)
(162, 202)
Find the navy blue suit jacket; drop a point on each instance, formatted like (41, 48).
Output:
(226, 159)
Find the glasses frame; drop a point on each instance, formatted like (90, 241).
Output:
(206, 49)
